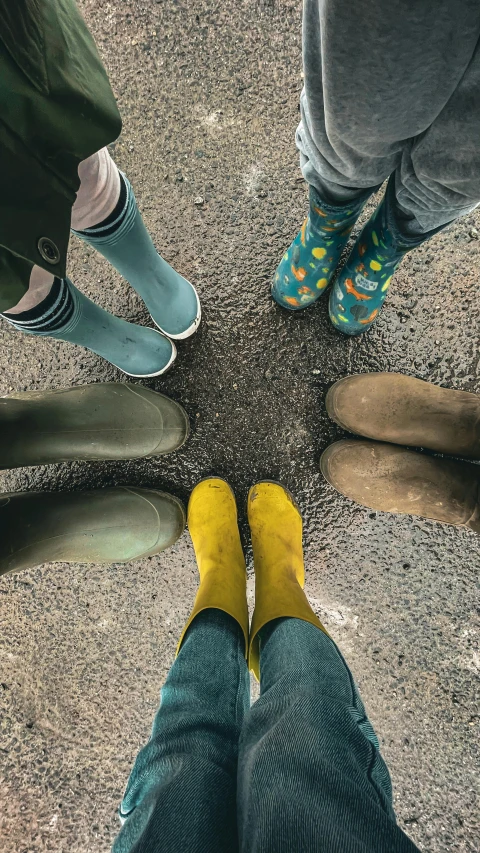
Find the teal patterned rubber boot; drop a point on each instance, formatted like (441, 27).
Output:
(362, 286)
(308, 264)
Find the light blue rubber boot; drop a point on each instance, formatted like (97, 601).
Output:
(172, 301)
(308, 265)
(137, 350)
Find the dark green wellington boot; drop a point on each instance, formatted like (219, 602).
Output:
(103, 526)
(392, 479)
(107, 420)
(403, 410)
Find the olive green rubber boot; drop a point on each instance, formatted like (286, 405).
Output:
(108, 420)
(104, 526)
(403, 410)
(392, 479)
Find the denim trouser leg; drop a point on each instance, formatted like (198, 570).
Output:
(181, 795)
(310, 775)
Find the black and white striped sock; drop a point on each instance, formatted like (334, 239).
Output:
(53, 313)
(114, 220)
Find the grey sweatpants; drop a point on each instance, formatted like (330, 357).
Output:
(393, 87)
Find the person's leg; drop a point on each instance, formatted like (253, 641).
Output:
(310, 773)
(182, 791)
(53, 307)
(364, 282)
(97, 197)
(105, 214)
(181, 795)
(309, 263)
(311, 776)
(66, 314)
(438, 178)
(363, 110)
(40, 285)
(436, 181)
(362, 101)
(118, 232)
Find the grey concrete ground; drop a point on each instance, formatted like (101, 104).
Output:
(209, 94)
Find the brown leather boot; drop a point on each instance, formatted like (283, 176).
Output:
(392, 479)
(396, 408)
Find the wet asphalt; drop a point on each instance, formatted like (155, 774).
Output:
(209, 96)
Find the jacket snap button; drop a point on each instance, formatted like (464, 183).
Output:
(48, 250)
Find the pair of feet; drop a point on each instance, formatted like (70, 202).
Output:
(120, 524)
(276, 530)
(391, 409)
(139, 351)
(308, 266)
(91, 422)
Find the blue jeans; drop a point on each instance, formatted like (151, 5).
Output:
(298, 772)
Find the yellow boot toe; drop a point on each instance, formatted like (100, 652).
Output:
(276, 528)
(212, 522)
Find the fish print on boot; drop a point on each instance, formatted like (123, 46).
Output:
(308, 265)
(362, 286)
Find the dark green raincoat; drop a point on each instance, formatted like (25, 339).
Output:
(56, 109)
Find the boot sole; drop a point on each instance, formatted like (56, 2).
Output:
(324, 466)
(174, 500)
(191, 329)
(150, 375)
(292, 310)
(188, 432)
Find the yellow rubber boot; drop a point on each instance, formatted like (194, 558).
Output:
(212, 521)
(276, 527)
